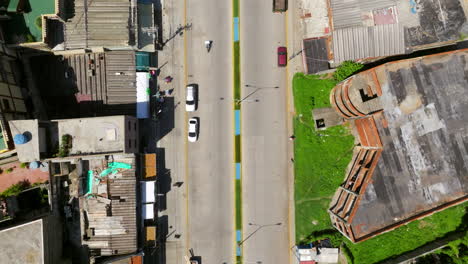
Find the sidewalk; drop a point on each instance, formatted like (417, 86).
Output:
(305, 19)
(169, 136)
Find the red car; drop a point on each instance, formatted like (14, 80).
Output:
(282, 56)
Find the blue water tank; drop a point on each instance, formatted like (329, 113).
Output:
(34, 165)
(20, 139)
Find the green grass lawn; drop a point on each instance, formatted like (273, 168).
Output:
(320, 157)
(238, 205)
(320, 162)
(408, 237)
(237, 92)
(235, 6)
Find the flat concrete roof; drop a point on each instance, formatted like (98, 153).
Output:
(29, 151)
(95, 134)
(415, 135)
(424, 134)
(22, 244)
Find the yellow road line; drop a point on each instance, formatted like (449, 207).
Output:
(288, 86)
(187, 226)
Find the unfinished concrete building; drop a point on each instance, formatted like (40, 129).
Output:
(409, 119)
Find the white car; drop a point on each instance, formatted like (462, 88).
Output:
(193, 129)
(190, 101)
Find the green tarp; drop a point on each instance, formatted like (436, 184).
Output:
(142, 61)
(89, 183)
(113, 167)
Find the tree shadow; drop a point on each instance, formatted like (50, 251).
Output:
(164, 179)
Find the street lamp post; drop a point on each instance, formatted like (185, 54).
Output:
(256, 230)
(256, 90)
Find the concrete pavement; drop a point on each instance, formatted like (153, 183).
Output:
(200, 213)
(171, 147)
(265, 169)
(211, 158)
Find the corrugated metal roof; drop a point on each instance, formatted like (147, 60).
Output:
(108, 77)
(348, 13)
(367, 42)
(87, 84)
(315, 55)
(117, 231)
(101, 23)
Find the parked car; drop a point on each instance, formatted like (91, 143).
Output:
(193, 129)
(191, 98)
(282, 56)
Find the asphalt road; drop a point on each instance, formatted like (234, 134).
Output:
(265, 141)
(211, 159)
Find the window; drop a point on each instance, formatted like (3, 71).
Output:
(129, 143)
(135, 143)
(134, 126)
(6, 104)
(365, 95)
(10, 78)
(129, 125)
(320, 123)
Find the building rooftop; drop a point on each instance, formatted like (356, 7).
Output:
(375, 28)
(108, 207)
(413, 137)
(100, 23)
(92, 135)
(23, 244)
(128, 260)
(30, 150)
(108, 134)
(87, 84)
(315, 55)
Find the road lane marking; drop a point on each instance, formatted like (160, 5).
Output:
(237, 120)
(236, 29)
(238, 171)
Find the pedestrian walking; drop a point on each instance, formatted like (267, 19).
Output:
(168, 79)
(168, 91)
(292, 137)
(292, 160)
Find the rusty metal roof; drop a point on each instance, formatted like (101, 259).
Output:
(368, 29)
(420, 141)
(349, 13)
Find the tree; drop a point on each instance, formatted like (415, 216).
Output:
(346, 69)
